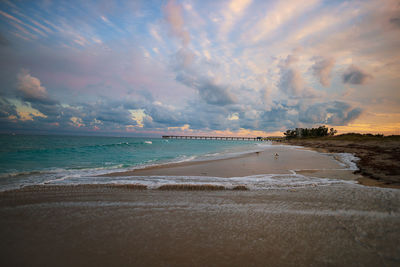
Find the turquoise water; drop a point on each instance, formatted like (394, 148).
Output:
(31, 160)
(27, 159)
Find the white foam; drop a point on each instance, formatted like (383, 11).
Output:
(258, 147)
(349, 160)
(254, 182)
(264, 144)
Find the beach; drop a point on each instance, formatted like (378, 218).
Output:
(280, 206)
(274, 159)
(199, 133)
(379, 158)
(103, 226)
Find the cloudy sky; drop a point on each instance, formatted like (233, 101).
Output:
(237, 67)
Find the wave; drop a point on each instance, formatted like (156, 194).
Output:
(72, 148)
(348, 160)
(120, 144)
(255, 182)
(67, 176)
(27, 173)
(257, 147)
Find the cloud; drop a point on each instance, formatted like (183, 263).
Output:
(278, 15)
(154, 32)
(395, 21)
(215, 94)
(31, 88)
(200, 79)
(291, 80)
(208, 89)
(276, 117)
(192, 74)
(107, 115)
(174, 17)
(10, 17)
(354, 75)
(163, 116)
(7, 109)
(290, 60)
(265, 98)
(183, 59)
(111, 114)
(322, 70)
(332, 113)
(232, 14)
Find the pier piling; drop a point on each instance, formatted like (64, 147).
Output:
(231, 138)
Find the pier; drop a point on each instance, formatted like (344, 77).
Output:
(213, 137)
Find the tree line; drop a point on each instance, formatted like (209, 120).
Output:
(310, 132)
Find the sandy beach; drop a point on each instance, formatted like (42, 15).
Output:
(274, 222)
(199, 133)
(103, 226)
(275, 159)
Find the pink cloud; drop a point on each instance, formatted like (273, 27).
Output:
(30, 86)
(174, 17)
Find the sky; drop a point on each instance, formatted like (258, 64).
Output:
(235, 67)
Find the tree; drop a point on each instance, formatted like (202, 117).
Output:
(310, 132)
(290, 133)
(332, 132)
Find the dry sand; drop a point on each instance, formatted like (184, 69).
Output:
(128, 225)
(114, 226)
(264, 162)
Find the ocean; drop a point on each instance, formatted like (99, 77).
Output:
(65, 160)
(40, 159)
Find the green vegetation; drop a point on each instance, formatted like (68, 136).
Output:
(365, 137)
(321, 131)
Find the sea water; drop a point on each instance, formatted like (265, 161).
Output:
(36, 159)
(64, 160)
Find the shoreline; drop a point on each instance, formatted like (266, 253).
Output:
(295, 160)
(274, 161)
(379, 162)
(205, 224)
(295, 166)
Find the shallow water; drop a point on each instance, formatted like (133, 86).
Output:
(32, 160)
(293, 167)
(29, 153)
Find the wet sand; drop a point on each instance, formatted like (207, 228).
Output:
(289, 158)
(338, 225)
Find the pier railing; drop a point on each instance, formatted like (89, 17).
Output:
(214, 137)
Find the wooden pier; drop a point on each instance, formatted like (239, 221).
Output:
(213, 137)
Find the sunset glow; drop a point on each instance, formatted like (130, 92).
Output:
(239, 67)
